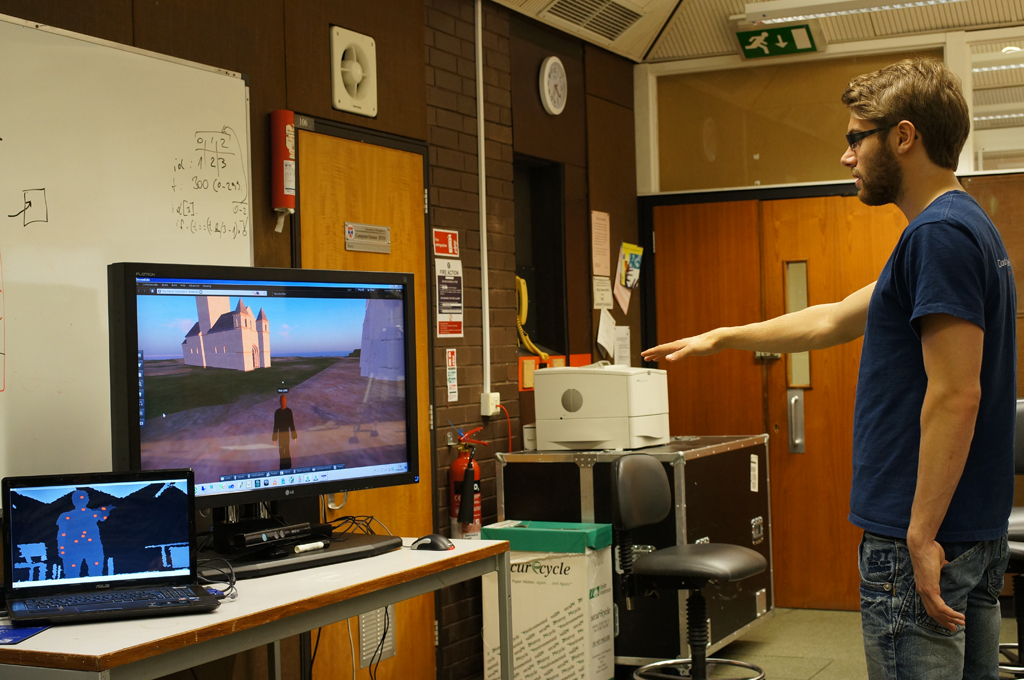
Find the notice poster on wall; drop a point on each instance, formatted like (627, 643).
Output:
(453, 375)
(449, 298)
(600, 243)
(627, 274)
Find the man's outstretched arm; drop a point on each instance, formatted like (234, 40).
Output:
(811, 328)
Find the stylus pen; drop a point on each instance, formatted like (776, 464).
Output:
(306, 547)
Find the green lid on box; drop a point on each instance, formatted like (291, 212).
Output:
(560, 537)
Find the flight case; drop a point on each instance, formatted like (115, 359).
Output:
(721, 488)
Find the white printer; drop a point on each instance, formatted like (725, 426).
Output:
(600, 407)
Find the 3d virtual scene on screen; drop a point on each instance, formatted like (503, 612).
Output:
(62, 534)
(239, 385)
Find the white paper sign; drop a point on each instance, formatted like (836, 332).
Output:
(449, 298)
(600, 240)
(453, 375)
(603, 293)
(622, 346)
(606, 333)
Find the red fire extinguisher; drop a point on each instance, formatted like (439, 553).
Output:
(282, 164)
(464, 508)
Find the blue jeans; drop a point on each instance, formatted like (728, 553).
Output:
(901, 641)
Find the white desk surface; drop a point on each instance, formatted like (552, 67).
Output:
(99, 646)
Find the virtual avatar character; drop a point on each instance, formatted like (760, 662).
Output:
(78, 536)
(283, 423)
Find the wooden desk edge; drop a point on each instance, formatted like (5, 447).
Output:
(83, 662)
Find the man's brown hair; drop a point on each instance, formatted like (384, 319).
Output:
(922, 91)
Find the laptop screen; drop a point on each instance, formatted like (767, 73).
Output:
(98, 530)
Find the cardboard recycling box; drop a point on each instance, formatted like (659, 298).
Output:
(562, 618)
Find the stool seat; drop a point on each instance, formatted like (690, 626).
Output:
(702, 562)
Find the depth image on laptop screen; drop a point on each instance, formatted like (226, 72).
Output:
(99, 532)
(254, 383)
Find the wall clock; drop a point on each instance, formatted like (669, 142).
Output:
(553, 84)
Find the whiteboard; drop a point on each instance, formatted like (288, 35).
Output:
(107, 154)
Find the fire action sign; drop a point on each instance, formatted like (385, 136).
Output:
(449, 298)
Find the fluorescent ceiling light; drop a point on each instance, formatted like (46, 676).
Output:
(1005, 116)
(778, 11)
(1000, 67)
(1010, 48)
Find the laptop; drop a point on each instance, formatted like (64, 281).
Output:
(101, 546)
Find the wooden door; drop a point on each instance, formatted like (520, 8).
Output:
(709, 275)
(1002, 197)
(342, 180)
(845, 245)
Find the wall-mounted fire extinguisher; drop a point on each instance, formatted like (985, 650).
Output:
(464, 507)
(282, 164)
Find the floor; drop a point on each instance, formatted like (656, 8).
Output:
(799, 644)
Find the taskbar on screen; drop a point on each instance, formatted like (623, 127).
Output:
(249, 481)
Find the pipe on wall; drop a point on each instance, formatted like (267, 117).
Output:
(481, 161)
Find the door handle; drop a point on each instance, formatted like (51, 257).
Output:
(795, 414)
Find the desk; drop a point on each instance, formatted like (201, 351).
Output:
(266, 610)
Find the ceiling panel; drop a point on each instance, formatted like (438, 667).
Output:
(668, 30)
(701, 28)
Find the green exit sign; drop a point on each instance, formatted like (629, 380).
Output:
(776, 41)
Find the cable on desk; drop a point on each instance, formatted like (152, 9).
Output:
(228, 576)
(509, 419)
(312, 659)
(351, 647)
(380, 647)
(207, 537)
(357, 524)
(386, 530)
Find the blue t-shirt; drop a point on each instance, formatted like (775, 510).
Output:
(949, 260)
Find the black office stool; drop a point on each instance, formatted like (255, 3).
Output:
(641, 496)
(1011, 650)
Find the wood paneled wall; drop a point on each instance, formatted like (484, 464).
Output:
(398, 33)
(611, 172)
(535, 132)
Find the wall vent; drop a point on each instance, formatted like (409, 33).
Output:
(371, 628)
(606, 18)
(353, 72)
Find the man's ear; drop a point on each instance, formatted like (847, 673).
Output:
(906, 136)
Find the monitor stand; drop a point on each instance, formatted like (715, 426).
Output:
(283, 558)
(280, 556)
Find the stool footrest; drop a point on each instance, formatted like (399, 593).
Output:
(1009, 651)
(653, 671)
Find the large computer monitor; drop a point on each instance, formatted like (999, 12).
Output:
(268, 383)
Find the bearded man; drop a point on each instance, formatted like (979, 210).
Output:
(934, 415)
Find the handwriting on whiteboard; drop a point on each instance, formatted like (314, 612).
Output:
(210, 188)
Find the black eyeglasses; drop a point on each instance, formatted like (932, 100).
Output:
(853, 138)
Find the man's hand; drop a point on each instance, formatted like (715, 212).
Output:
(697, 346)
(927, 560)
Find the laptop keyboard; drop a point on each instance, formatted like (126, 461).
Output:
(158, 595)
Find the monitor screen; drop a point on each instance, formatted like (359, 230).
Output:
(268, 383)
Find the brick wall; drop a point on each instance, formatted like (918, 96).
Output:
(451, 117)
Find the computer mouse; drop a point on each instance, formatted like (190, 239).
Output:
(432, 542)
